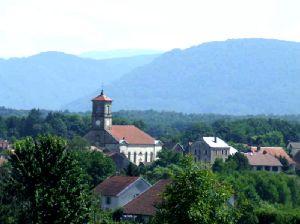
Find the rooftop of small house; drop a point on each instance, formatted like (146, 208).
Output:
(262, 159)
(114, 185)
(145, 203)
(215, 142)
(274, 151)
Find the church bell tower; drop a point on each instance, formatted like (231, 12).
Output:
(101, 115)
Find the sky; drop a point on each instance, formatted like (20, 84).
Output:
(28, 27)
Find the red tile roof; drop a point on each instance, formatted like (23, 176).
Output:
(131, 134)
(102, 98)
(145, 203)
(275, 151)
(260, 159)
(112, 186)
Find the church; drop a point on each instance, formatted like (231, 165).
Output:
(136, 145)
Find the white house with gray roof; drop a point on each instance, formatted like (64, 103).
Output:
(207, 149)
(117, 191)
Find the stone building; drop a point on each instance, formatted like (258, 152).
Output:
(136, 145)
(207, 149)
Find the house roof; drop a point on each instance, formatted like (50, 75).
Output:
(112, 186)
(295, 145)
(174, 146)
(232, 151)
(145, 203)
(261, 159)
(274, 151)
(131, 135)
(219, 143)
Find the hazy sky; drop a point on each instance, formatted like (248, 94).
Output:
(74, 26)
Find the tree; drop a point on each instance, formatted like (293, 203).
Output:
(196, 196)
(167, 157)
(132, 170)
(95, 164)
(78, 143)
(218, 165)
(48, 182)
(240, 160)
(285, 163)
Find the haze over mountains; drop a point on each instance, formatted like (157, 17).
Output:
(243, 76)
(124, 53)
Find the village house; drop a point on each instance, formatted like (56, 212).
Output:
(263, 161)
(208, 149)
(294, 148)
(143, 207)
(136, 145)
(117, 191)
(276, 152)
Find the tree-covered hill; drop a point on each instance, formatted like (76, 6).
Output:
(51, 79)
(242, 76)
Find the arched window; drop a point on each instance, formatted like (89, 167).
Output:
(151, 156)
(128, 156)
(146, 156)
(134, 157)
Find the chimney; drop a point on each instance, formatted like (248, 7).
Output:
(215, 139)
(258, 148)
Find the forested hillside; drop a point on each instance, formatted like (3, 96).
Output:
(51, 79)
(166, 126)
(242, 76)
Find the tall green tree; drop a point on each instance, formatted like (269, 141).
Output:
(196, 196)
(48, 182)
(95, 164)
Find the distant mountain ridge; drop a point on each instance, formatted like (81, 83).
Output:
(51, 79)
(240, 76)
(123, 53)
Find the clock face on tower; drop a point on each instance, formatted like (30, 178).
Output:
(98, 122)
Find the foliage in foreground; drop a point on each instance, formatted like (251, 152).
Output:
(196, 196)
(47, 183)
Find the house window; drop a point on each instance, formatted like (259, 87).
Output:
(258, 168)
(275, 168)
(134, 157)
(146, 156)
(108, 200)
(151, 157)
(129, 154)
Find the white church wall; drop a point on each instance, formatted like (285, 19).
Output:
(140, 153)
